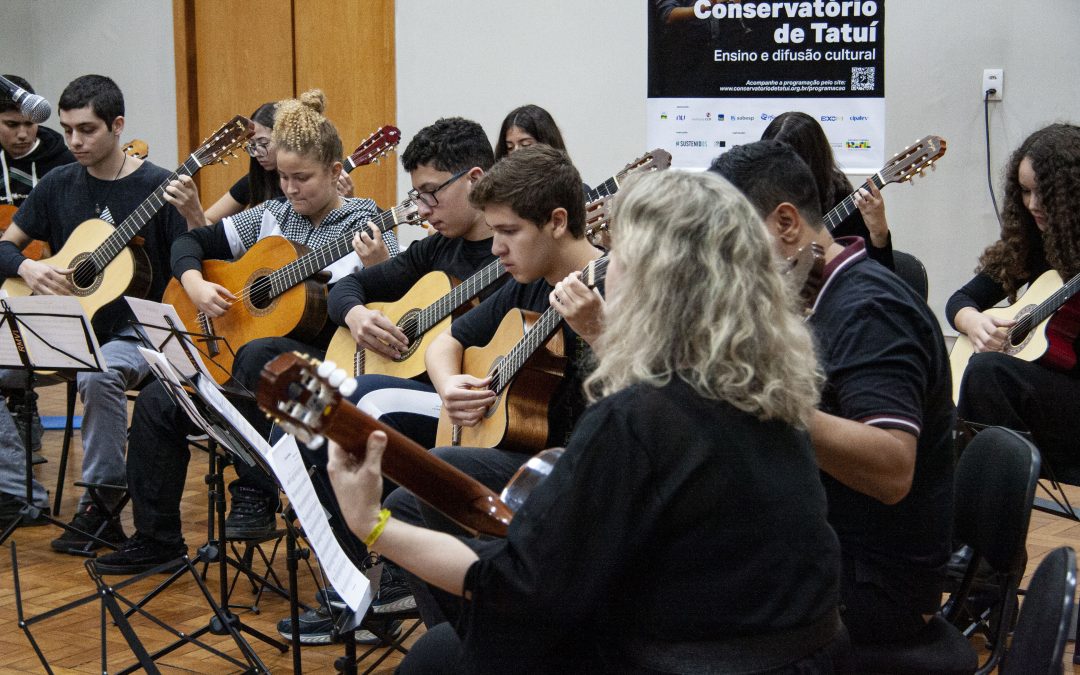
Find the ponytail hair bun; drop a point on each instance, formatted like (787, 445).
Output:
(300, 127)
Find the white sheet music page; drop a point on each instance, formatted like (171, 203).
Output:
(344, 576)
(55, 330)
(153, 314)
(164, 369)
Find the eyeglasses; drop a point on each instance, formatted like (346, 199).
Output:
(428, 196)
(257, 148)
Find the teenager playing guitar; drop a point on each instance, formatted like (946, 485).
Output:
(1040, 232)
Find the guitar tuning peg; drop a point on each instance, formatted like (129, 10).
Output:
(316, 442)
(348, 387)
(325, 369)
(337, 378)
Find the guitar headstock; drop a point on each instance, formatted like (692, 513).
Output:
(654, 160)
(598, 220)
(595, 272)
(807, 272)
(300, 393)
(137, 148)
(913, 160)
(375, 146)
(224, 140)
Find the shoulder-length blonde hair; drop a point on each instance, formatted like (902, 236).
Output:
(701, 296)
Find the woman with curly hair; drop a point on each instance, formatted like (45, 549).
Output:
(668, 486)
(1040, 232)
(803, 133)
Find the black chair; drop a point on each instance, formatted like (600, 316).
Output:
(995, 485)
(910, 269)
(1038, 643)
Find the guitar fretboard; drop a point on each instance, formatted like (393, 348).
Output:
(308, 264)
(540, 333)
(462, 293)
(847, 206)
(138, 219)
(1046, 308)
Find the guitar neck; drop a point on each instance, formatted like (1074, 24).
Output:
(138, 219)
(1047, 307)
(462, 293)
(846, 207)
(607, 188)
(540, 333)
(310, 263)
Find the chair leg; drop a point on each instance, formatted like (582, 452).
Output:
(65, 448)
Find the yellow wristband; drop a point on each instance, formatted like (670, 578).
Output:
(384, 516)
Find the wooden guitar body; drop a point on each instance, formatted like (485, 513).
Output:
(518, 420)
(1028, 346)
(428, 289)
(299, 312)
(128, 273)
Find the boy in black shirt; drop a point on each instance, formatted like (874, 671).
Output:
(27, 153)
(883, 432)
(107, 184)
(444, 161)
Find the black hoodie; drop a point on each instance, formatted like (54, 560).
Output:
(19, 176)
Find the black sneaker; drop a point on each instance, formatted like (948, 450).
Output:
(251, 515)
(11, 507)
(139, 554)
(394, 594)
(90, 520)
(317, 628)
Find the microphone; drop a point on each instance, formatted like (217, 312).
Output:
(35, 107)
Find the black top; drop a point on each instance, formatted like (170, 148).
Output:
(885, 365)
(68, 196)
(393, 278)
(668, 518)
(241, 191)
(478, 326)
(22, 174)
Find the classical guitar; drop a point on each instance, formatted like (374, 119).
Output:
(426, 309)
(910, 162)
(523, 376)
(276, 288)
(104, 265)
(1037, 332)
(806, 274)
(307, 399)
(37, 249)
(596, 226)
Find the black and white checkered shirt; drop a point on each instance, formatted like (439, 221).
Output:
(277, 217)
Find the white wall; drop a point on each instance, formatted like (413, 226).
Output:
(51, 42)
(585, 62)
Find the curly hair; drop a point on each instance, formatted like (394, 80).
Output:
(1054, 152)
(300, 127)
(700, 277)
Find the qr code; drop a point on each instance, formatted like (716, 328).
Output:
(862, 78)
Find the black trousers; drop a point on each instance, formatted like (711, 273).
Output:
(1002, 390)
(158, 449)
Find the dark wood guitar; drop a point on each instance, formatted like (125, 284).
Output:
(912, 161)
(105, 264)
(526, 362)
(305, 398)
(374, 148)
(37, 249)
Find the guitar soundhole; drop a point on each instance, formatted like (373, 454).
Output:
(84, 275)
(410, 325)
(259, 294)
(1019, 339)
(496, 374)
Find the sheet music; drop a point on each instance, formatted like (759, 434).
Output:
(285, 461)
(355, 588)
(153, 314)
(66, 329)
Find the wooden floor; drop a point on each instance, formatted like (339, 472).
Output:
(71, 641)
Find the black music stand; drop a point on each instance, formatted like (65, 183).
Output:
(23, 323)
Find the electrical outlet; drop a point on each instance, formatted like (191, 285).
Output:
(993, 78)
